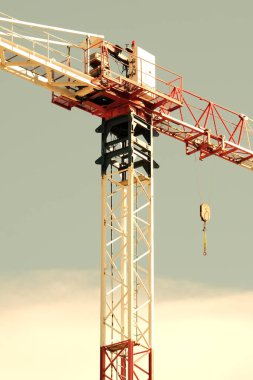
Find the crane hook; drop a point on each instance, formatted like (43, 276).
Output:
(205, 214)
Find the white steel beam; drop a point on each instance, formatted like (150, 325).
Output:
(48, 41)
(48, 27)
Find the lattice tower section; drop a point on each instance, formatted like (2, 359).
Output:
(127, 249)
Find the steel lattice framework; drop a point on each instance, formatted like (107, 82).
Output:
(51, 62)
(127, 248)
(96, 76)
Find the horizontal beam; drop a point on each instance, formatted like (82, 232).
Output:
(231, 152)
(47, 62)
(39, 81)
(15, 35)
(20, 63)
(48, 27)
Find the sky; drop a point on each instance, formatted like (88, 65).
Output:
(50, 204)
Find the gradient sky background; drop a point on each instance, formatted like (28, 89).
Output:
(50, 204)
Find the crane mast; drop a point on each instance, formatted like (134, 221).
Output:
(127, 248)
(136, 99)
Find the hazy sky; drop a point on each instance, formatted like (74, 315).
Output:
(49, 329)
(50, 201)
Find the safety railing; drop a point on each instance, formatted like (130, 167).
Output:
(46, 40)
(155, 78)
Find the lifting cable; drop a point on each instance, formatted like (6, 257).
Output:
(205, 212)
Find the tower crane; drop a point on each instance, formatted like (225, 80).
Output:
(136, 99)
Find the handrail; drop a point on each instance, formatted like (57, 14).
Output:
(48, 27)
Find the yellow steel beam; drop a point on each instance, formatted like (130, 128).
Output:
(49, 75)
(20, 63)
(53, 69)
(2, 56)
(84, 91)
(64, 70)
(70, 83)
(35, 79)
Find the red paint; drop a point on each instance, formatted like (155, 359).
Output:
(186, 107)
(122, 361)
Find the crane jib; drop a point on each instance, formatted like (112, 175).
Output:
(203, 126)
